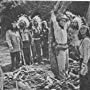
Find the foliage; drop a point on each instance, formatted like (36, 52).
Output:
(9, 11)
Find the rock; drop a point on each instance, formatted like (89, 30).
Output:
(53, 89)
(23, 86)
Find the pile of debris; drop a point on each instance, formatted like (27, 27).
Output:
(39, 78)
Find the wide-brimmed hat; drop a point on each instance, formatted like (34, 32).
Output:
(61, 16)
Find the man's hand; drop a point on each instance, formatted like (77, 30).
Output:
(52, 12)
(84, 69)
(56, 7)
(11, 48)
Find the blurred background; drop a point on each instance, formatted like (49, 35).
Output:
(11, 9)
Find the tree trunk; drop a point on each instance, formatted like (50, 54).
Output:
(1, 79)
(88, 15)
(64, 6)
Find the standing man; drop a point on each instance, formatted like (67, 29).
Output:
(26, 41)
(13, 40)
(37, 34)
(60, 33)
(45, 31)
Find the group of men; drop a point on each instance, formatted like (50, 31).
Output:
(30, 40)
(27, 41)
(66, 29)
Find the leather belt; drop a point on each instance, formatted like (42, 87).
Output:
(62, 44)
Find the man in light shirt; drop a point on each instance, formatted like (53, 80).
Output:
(13, 40)
(60, 33)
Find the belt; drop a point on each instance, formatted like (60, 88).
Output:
(62, 44)
(36, 38)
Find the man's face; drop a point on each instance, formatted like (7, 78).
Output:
(70, 30)
(44, 25)
(14, 25)
(35, 23)
(75, 23)
(83, 31)
(22, 25)
(62, 22)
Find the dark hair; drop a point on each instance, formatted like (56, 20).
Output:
(74, 27)
(80, 36)
(13, 29)
(42, 24)
(10, 27)
(83, 20)
(30, 25)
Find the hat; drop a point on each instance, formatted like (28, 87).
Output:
(62, 16)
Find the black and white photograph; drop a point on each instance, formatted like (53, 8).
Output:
(44, 45)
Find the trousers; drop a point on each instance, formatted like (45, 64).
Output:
(27, 55)
(15, 60)
(62, 60)
(45, 49)
(85, 80)
(38, 50)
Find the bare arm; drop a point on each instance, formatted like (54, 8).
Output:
(8, 39)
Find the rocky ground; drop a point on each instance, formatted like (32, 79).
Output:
(5, 62)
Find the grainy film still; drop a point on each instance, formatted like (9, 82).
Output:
(44, 45)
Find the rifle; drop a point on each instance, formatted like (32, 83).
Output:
(22, 57)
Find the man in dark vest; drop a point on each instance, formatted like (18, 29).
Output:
(26, 42)
(45, 31)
